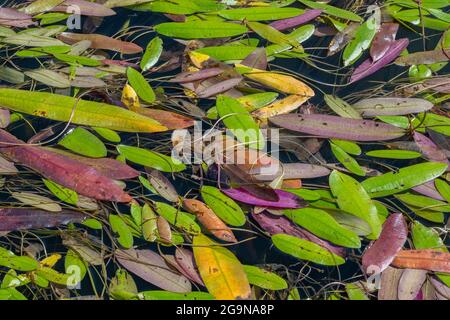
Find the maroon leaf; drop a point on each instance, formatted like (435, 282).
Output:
(369, 67)
(63, 170)
(383, 40)
(218, 88)
(152, 268)
(440, 139)
(383, 251)
(297, 20)
(262, 193)
(328, 126)
(198, 75)
(279, 224)
(12, 219)
(286, 200)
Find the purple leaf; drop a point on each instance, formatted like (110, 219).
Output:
(286, 200)
(297, 20)
(441, 290)
(279, 224)
(13, 14)
(263, 193)
(218, 88)
(440, 139)
(17, 23)
(152, 268)
(195, 76)
(12, 219)
(185, 260)
(429, 149)
(86, 8)
(257, 59)
(383, 40)
(383, 251)
(369, 67)
(328, 126)
(428, 189)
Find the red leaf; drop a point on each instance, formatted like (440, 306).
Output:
(99, 41)
(383, 40)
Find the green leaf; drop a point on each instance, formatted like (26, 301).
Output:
(394, 154)
(355, 292)
(78, 111)
(152, 54)
(443, 188)
(333, 11)
(361, 41)
(426, 238)
(140, 85)
(62, 193)
(341, 107)
(302, 33)
(306, 250)
(11, 294)
(403, 179)
(240, 122)
(166, 295)
(424, 203)
(151, 159)
(224, 53)
(93, 224)
(119, 226)
(346, 160)
(178, 218)
(306, 194)
(324, 226)
(259, 13)
(122, 285)
(53, 276)
(223, 206)
(83, 142)
(11, 75)
(149, 223)
(21, 263)
(264, 279)
(39, 6)
(200, 29)
(108, 134)
(271, 34)
(352, 198)
(348, 146)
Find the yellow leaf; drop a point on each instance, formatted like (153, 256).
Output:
(50, 261)
(220, 270)
(198, 59)
(286, 105)
(130, 98)
(278, 81)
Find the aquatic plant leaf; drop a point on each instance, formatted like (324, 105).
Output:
(287, 23)
(140, 85)
(404, 179)
(391, 106)
(341, 107)
(39, 6)
(185, 260)
(430, 151)
(107, 134)
(118, 225)
(286, 105)
(352, 198)
(86, 8)
(151, 159)
(320, 223)
(177, 217)
(13, 219)
(90, 113)
(197, 75)
(443, 188)
(360, 42)
(394, 154)
(67, 172)
(166, 295)
(336, 127)
(209, 220)
(305, 250)
(49, 78)
(383, 251)
(200, 29)
(423, 202)
(424, 57)
(270, 34)
(219, 87)
(286, 199)
(64, 194)
(83, 142)
(369, 67)
(221, 271)
(355, 291)
(259, 13)
(223, 206)
(411, 283)
(238, 120)
(170, 120)
(152, 268)
(163, 186)
(264, 279)
(424, 259)
(99, 41)
(383, 40)
(37, 201)
(332, 11)
(346, 160)
(21, 263)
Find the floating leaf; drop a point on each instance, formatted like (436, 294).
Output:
(393, 154)
(49, 78)
(264, 279)
(166, 295)
(347, 161)
(119, 226)
(64, 194)
(223, 206)
(200, 29)
(305, 250)
(178, 218)
(391, 106)
(37, 201)
(305, 17)
(140, 85)
(341, 107)
(221, 271)
(151, 159)
(83, 142)
(361, 41)
(423, 259)
(333, 11)
(259, 13)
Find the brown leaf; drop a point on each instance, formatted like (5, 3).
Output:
(423, 259)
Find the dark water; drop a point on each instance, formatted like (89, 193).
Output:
(257, 251)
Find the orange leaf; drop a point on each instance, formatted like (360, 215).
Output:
(209, 219)
(423, 259)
